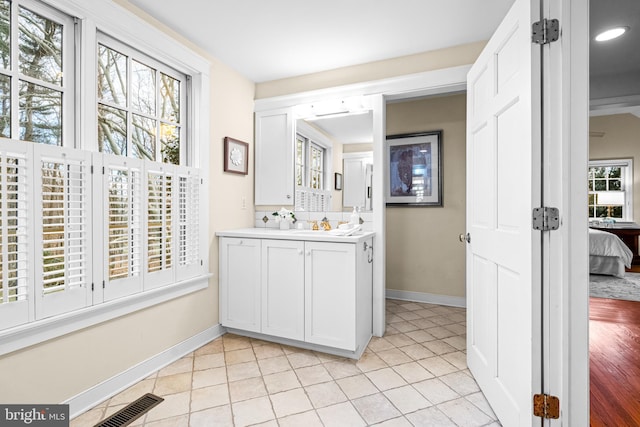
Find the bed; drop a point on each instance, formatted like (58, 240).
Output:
(608, 254)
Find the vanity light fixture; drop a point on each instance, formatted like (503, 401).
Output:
(333, 108)
(336, 115)
(610, 34)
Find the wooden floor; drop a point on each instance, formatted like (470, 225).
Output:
(614, 354)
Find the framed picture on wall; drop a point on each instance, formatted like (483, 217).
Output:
(236, 156)
(413, 173)
(338, 181)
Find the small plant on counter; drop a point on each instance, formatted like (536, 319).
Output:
(284, 215)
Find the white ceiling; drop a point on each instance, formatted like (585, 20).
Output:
(614, 66)
(352, 129)
(273, 39)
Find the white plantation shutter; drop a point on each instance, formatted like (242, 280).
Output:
(63, 224)
(16, 234)
(159, 221)
(79, 228)
(123, 226)
(309, 199)
(189, 258)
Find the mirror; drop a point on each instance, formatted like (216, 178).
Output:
(352, 135)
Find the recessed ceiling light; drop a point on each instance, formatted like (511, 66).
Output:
(611, 34)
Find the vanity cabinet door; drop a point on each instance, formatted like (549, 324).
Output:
(240, 283)
(330, 294)
(275, 136)
(283, 288)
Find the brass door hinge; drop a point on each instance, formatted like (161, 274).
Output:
(546, 406)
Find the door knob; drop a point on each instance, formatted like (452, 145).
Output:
(465, 238)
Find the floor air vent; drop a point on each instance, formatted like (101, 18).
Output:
(131, 412)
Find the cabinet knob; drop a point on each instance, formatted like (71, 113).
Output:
(288, 196)
(300, 251)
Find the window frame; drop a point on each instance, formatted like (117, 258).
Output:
(312, 136)
(132, 55)
(107, 17)
(627, 184)
(314, 146)
(305, 196)
(69, 86)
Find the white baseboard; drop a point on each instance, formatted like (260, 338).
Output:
(93, 396)
(427, 297)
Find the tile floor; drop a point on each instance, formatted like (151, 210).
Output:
(416, 375)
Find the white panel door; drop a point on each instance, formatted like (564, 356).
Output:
(503, 186)
(283, 288)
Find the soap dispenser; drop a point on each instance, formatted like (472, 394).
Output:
(355, 217)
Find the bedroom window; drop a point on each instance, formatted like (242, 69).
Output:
(611, 189)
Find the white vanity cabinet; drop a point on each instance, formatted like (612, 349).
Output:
(240, 283)
(274, 148)
(310, 293)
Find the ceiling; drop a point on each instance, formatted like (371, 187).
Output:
(269, 40)
(273, 39)
(351, 129)
(614, 66)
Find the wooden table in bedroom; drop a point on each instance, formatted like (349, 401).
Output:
(628, 232)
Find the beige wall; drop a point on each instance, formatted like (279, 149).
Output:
(86, 358)
(357, 148)
(427, 61)
(621, 140)
(423, 251)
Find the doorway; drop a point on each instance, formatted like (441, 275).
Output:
(613, 128)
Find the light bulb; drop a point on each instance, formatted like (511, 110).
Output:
(611, 34)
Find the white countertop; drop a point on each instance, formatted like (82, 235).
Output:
(294, 234)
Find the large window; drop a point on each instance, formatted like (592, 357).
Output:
(140, 105)
(36, 73)
(101, 199)
(611, 189)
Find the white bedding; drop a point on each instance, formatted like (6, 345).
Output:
(602, 245)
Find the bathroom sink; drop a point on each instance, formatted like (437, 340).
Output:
(309, 232)
(333, 232)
